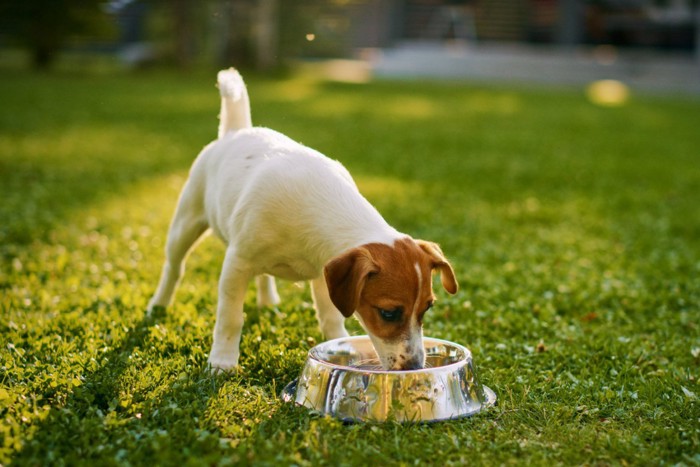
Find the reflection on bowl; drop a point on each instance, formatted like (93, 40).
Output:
(343, 378)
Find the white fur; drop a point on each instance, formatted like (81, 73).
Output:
(281, 208)
(420, 274)
(235, 106)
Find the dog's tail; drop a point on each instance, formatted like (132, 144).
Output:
(235, 106)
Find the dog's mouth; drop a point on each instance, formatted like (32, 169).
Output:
(414, 363)
(396, 355)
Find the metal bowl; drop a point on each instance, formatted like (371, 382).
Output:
(343, 378)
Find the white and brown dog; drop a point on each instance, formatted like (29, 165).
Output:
(286, 210)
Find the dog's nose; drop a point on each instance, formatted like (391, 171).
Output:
(415, 363)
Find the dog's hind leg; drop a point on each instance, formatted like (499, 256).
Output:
(233, 285)
(188, 226)
(330, 319)
(266, 291)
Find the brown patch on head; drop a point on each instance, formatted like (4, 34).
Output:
(390, 287)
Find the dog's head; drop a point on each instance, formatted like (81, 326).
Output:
(390, 289)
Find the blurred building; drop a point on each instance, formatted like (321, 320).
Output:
(663, 24)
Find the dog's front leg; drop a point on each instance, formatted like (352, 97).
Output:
(330, 319)
(229, 314)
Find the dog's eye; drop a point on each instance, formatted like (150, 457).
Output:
(391, 315)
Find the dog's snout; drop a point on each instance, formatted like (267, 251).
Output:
(412, 364)
(400, 356)
(403, 363)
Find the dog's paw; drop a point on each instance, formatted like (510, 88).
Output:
(222, 368)
(155, 311)
(220, 364)
(156, 302)
(221, 372)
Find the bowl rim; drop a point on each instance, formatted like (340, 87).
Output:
(444, 368)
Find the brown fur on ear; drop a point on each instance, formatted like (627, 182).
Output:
(447, 274)
(346, 276)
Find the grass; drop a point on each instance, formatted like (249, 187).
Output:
(574, 231)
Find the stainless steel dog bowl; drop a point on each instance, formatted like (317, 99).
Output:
(343, 378)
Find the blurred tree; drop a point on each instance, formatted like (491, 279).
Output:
(182, 11)
(44, 26)
(236, 29)
(315, 28)
(265, 33)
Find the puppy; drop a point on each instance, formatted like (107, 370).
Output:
(286, 210)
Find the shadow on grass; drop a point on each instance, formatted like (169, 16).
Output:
(193, 415)
(88, 426)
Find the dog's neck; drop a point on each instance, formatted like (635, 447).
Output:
(361, 225)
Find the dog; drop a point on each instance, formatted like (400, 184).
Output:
(287, 211)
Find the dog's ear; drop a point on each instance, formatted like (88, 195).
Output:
(346, 276)
(447, 274)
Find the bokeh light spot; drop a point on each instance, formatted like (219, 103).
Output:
(608, 93)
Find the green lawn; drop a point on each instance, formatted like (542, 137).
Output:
(574, 231)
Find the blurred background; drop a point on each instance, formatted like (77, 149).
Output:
(650, 44)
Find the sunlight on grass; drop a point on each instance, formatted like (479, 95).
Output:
(82, 252)
(335, 107)
(403, 108)
(499, 104)
(203, 102)
(379, 188)
(410, 108)
(90, 146)
(62, 170)
(292, 90)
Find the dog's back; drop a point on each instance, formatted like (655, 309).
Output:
(293, 198)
